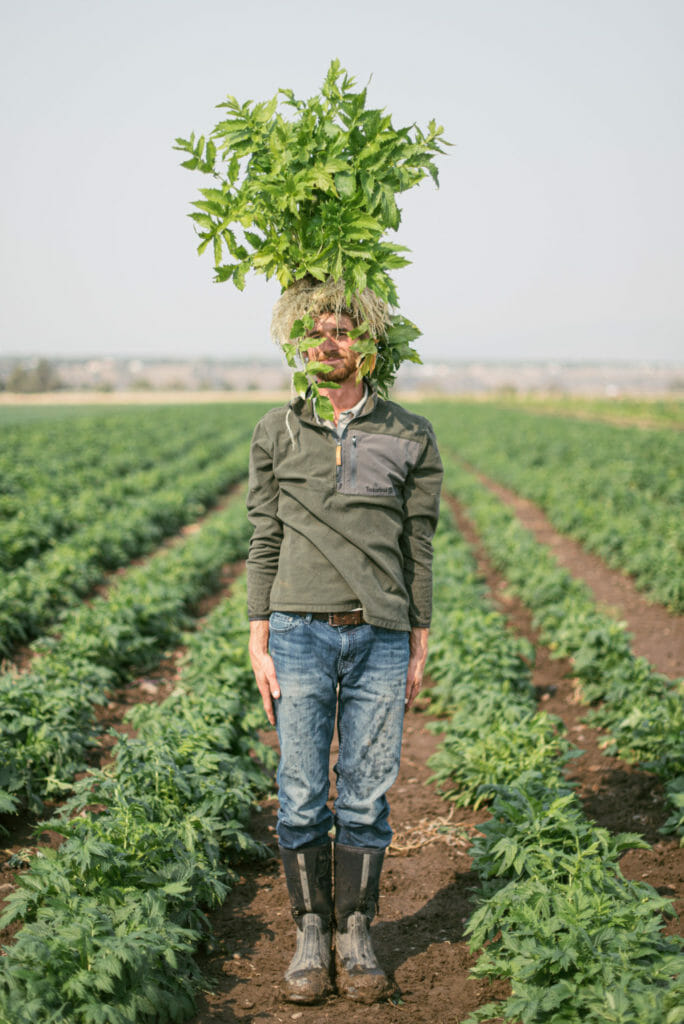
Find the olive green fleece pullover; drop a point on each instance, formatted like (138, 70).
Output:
(343, 524)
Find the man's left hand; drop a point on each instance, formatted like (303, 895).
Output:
(418, 649)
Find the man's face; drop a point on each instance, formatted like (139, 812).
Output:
(332, 345)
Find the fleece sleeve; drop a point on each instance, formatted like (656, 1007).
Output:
(262, 512)
(421, 511)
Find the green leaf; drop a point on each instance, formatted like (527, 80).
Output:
(290, 352)
(359, 276)
(240, 274)
(403, 331)
(317, 270)
(324, 407)
(226, 271)
(300, 328)
(313, 185)
(345, 183)
(300, 382)
(203, 220)
(8, 803)
(366, 346)
(337, 268)
(175, 888)
(314, 367)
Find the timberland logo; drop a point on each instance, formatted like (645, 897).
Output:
(379, 490)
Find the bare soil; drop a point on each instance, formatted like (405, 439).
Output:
(657, 634)
(427, 882)
(425, 901)
(618, 796)
(17, 832)
(160, 397)
(22, 656)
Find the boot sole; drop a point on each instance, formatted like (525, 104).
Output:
(349, 988)
(304, 1000)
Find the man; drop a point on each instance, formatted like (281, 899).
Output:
(339, 596)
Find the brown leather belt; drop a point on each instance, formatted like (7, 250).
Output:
(354, 618)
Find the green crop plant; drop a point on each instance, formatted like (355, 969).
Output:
(112, 919)
(139, 457)
(307, 189)
(47, 720)
(34, 594)
(96, 450)
(641, 710)
(619, 491)
(554, 916)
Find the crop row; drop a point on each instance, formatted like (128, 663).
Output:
(114, 916)
(54, 459)
(577, 941)
(32, 597)
(47, 715)
(58, 456)
(642, 710)
(617, 490)
(44, 521)
(626, 410)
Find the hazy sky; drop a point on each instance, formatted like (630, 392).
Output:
(557, 230)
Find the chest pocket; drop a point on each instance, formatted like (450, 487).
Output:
(376, 465)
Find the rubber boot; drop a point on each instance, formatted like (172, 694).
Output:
(308, 875)
(357, 880)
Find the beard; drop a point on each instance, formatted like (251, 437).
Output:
(340, 371)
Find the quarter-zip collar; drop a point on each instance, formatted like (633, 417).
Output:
(304, 407)
(347, 416)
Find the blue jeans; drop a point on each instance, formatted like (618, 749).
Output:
(369, 665)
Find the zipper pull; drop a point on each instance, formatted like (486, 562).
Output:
(338, 455)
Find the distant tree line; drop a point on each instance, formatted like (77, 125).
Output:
(39, 376)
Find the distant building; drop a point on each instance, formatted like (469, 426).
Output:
(443, 378)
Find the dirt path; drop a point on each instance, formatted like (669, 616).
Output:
(425, 895)
(18, 842)
(23, 655)
(424, 904)
(618, 796)
(425, 892)
(658, 635)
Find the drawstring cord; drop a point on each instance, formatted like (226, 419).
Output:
(289, 428)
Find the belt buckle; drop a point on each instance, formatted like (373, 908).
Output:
(353, 618)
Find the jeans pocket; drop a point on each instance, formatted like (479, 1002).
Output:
(281, 622)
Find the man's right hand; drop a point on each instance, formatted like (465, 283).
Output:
(262, 665)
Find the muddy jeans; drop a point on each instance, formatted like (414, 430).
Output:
(359, 674)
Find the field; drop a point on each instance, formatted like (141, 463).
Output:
(536, 870)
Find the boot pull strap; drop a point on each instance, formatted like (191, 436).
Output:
(304, 882)
(365, 874)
